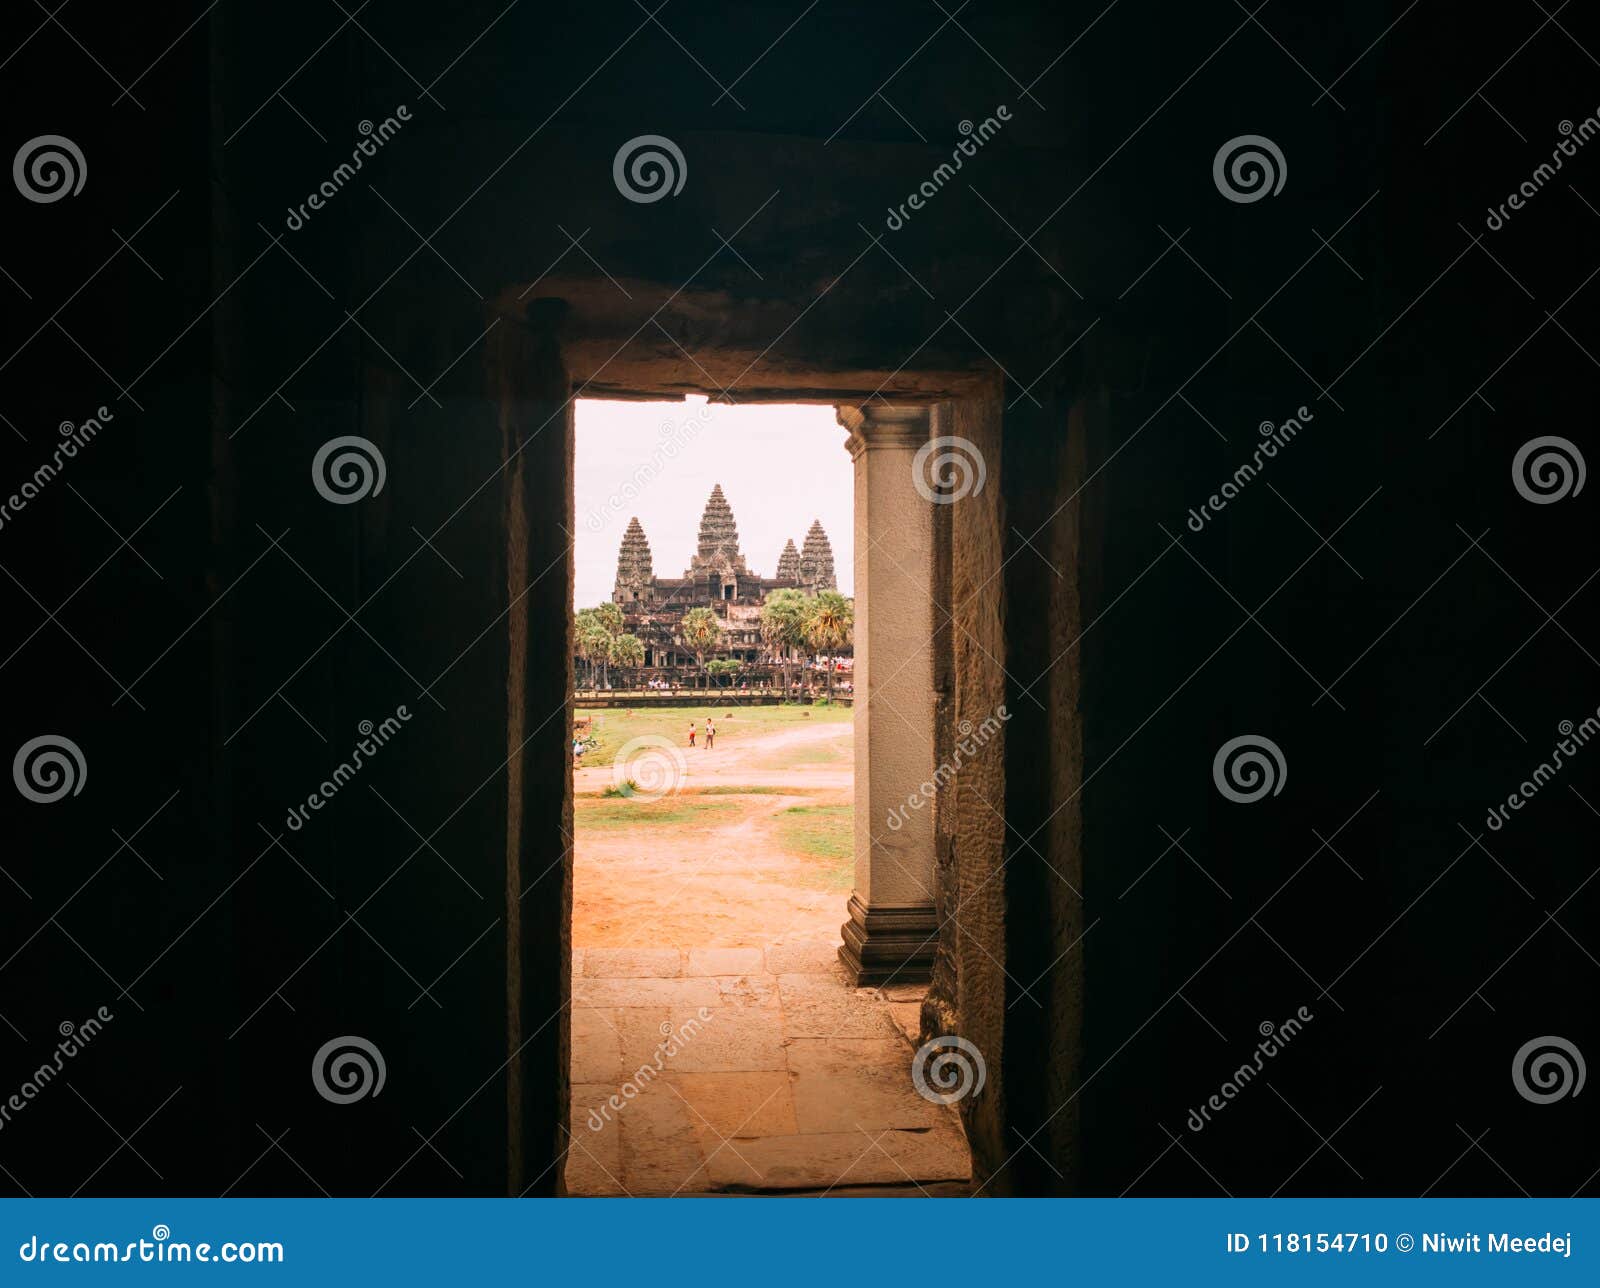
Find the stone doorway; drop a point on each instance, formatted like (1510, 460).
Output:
(737, 1024)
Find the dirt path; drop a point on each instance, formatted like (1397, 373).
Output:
(722, 878)
(755, 762)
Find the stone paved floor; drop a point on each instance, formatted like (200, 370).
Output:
(764, 1070)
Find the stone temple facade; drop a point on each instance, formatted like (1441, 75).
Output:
(717, 578)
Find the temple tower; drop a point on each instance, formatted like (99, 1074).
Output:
(789, 562)
(816, 561)
(718, 548)
(635, 573)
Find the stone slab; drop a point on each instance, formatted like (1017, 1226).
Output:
(594, 1158)
(822, 1006)
(660, 1150)
(632, 963)
(596, 1046)
(818, 1162)
(803, 959)
(644, 992)
(858, 1084)
(735, 1106)
(726, 961)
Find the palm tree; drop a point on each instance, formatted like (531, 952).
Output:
(782, 626)
(627, 652)
(830, 626)
(609, 618)
(702, 632)
(592, 641)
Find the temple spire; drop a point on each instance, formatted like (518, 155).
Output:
(789, 562)
(816, 560)
(635, 570)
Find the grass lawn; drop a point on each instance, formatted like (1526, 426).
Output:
(825, 833)
(612, 727)
(623, 812)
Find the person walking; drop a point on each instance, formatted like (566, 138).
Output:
(691, 733)
(711, 733)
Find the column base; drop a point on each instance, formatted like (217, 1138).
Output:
(889, 942)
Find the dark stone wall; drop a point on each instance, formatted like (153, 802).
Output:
(1123, 928)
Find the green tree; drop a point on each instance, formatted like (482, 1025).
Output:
(702, 632)
(627, 652)
(591, 640)
(609, 618)
(830, 626)
(783, 617)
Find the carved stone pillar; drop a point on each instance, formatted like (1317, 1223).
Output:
(892, 929)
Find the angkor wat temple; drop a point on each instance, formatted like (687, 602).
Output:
(718, 578)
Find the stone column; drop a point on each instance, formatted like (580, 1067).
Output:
(892, 931)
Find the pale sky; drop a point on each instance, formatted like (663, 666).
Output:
(780, 467)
